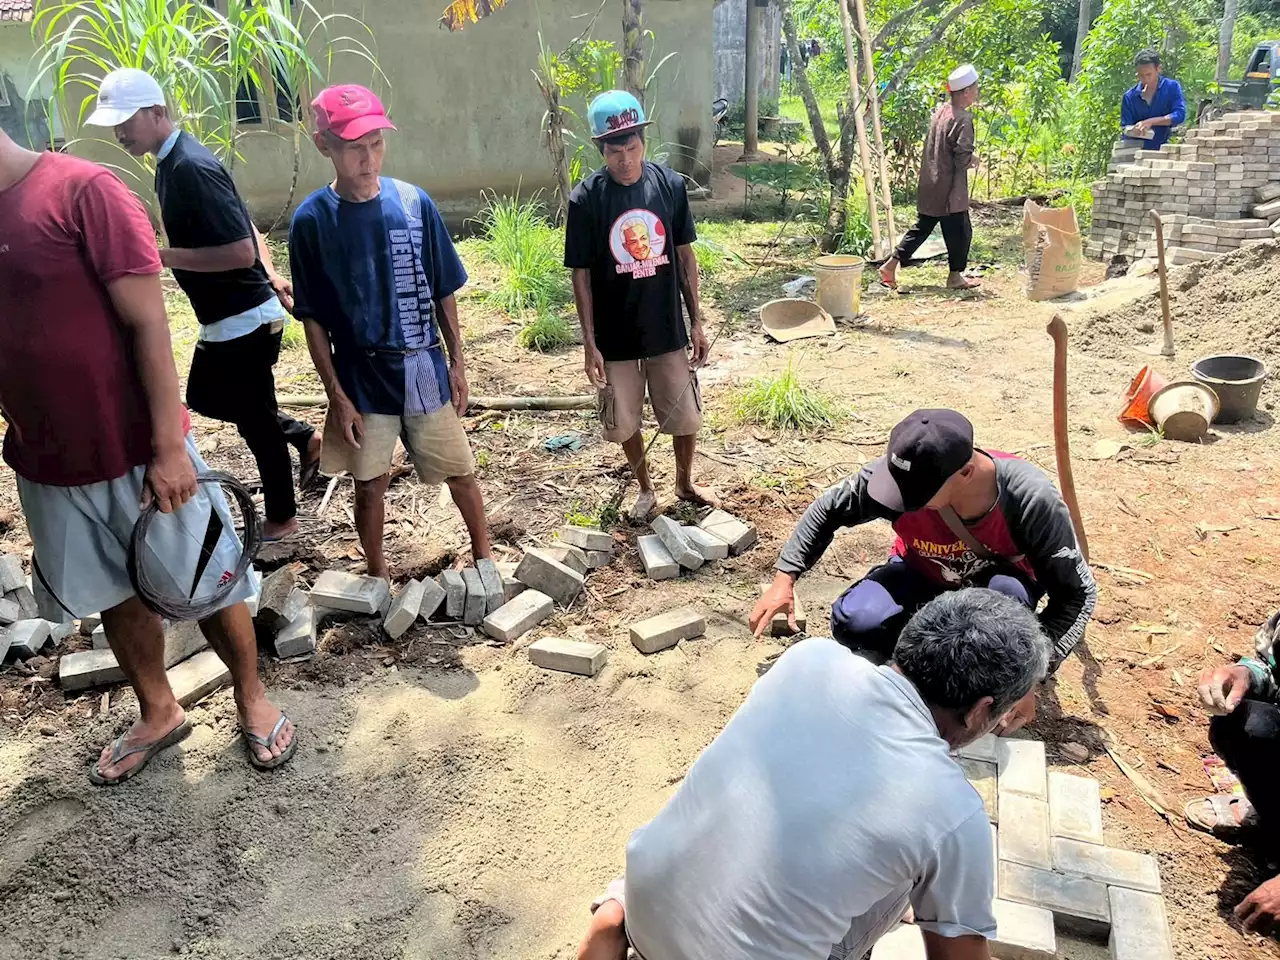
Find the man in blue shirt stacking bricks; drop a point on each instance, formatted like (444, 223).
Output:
(1150, 110)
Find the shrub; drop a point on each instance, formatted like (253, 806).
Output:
(784, 402)
(548, 331)
(516, 235)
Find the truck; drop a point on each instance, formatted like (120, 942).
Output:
(1259, 89)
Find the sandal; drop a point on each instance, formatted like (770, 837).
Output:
(119, 751)
(265, 742)
(1216, 815)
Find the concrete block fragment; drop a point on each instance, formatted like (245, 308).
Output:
(678, 545)
(1023, 932)
(98, 639)
(492, 582)
(984, 748)
(738, 535)
(195, 679)
(60, 631)
(1024, 831)
(88, 668)
(27, 638)
(277, 603)
(1139, 926)
(26, 601)
(455, 593)
(982, 776)
(253, 603)
(404, 610)
(432, 598)
(10, 612)
(354, 594)
(1075, 808)
(780, 626)
(586, 538)
(547, 575)
(521, 615)
(1022, 767)
(11, 575)
(568, 656)
(473, 611)
(1076, 903)
(903, 942)
(1108, 865)
(571, 557)
(511, 588)
(657, 562)
(709, 546)
(298, 637)
(5, 639)
(667, 629)
(599, 558)
(89, 624)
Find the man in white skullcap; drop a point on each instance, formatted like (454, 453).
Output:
(943, 197)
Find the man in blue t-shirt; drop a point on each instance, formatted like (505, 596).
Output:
(374, 274)
(1150, 110)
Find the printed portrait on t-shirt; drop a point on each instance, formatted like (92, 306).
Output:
(638, 242)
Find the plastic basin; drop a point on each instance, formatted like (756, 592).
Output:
(1184, 409)
(1236, 379)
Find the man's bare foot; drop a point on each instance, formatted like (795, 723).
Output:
(384, 573)
(260, 717)
(644, 506)
(278, 531)
(309, 463)
(606, 938)
(701, 495)
(958, 281)
(157, 728)
(889, 273)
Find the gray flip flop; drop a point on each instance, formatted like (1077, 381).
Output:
(119, 751)
(266, 742)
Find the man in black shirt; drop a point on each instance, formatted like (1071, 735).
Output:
(224, 267)
(624, 224)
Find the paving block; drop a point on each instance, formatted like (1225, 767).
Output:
(1022, 767)
(10, 612)
(903, 942)
(587, 538)
(1076, 903)
(1075, 808)
(1270, 191)
(597, 559)
(198, 677)
(511, 588)
(455, 593)
(982, 776)
(277, 604)
(519, 616)
(5, 639)
(1023, 932)
(88, 668)
(473, 612)
(492, 581)
(657, 561)
(984, 748)
(352, 593)
(1109, 865)
(298, 637)
(1139, 926)
(432, 598)
(1024, 831)
(667, 629)
(11, 575)
(26, 601)
(181, 640)
(711, 547)
(98, 639)
(780, 626)
(545, 574)
(27, 638)
(404, 610)
(738, 535)
(253, 603)
(678, 545)
(571, 557)
(568, 656)
(89, 624)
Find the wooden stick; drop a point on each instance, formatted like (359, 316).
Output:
(873, 101)
(859, 124)
(1167, 349)
(1062, 449)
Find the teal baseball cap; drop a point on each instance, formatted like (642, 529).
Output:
(615, 113)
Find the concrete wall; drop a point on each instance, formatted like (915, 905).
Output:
(730, 46)
(27, 124)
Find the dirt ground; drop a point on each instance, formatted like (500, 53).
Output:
(450, 801)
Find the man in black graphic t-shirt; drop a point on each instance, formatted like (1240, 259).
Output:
(627, 241)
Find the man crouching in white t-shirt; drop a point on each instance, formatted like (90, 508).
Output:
(830, 802)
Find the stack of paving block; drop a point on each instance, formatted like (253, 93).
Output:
(1052, 867)
(673, 547)
(1205, 189)
(23, 634)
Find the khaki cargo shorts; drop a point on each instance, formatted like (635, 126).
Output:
(435, 442)
(673, 393)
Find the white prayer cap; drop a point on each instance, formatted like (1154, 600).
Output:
(961, 77)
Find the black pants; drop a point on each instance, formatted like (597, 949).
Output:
(1248, 741)
(957, 233)
(232, 381)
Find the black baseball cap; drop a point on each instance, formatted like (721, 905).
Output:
(925, 450)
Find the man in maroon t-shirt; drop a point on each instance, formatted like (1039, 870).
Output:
(964, 517)
(96, 432)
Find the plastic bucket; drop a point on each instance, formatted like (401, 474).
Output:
(1237, 380)
(839, 284)
(1138, 397)
(1184, 409)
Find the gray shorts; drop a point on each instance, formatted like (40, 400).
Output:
(81, 537)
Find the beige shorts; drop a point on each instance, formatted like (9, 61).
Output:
(673, 393)
(435, 442)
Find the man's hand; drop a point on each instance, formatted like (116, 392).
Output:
(169, 481)
(1222, 688)
(344, 416)
(781, 596)
(283, 289)
(701, 346)
(1259, 910)
(459, 387)
(1023, 712)
(1142, 126)
(595, 367)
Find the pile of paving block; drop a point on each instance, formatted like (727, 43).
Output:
(22, 633)
(1053, 871)
(673, 547)
(1216, 191)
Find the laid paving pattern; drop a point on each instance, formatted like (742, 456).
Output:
(1053, 871)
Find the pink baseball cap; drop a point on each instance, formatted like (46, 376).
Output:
(350, 111)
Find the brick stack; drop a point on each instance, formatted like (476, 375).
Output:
(1212, 191)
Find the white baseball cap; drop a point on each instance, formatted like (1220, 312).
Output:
(123, 93)
(961, 77)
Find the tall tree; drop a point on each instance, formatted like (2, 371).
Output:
(1225, 33)
(1082, 31)
(633, 49)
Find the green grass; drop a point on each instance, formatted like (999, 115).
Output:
(785, 402)
(516, 235)
(294, 335)
(548, 331)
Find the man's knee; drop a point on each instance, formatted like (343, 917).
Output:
(463, 484)
(864, 607)
(1010, 587)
